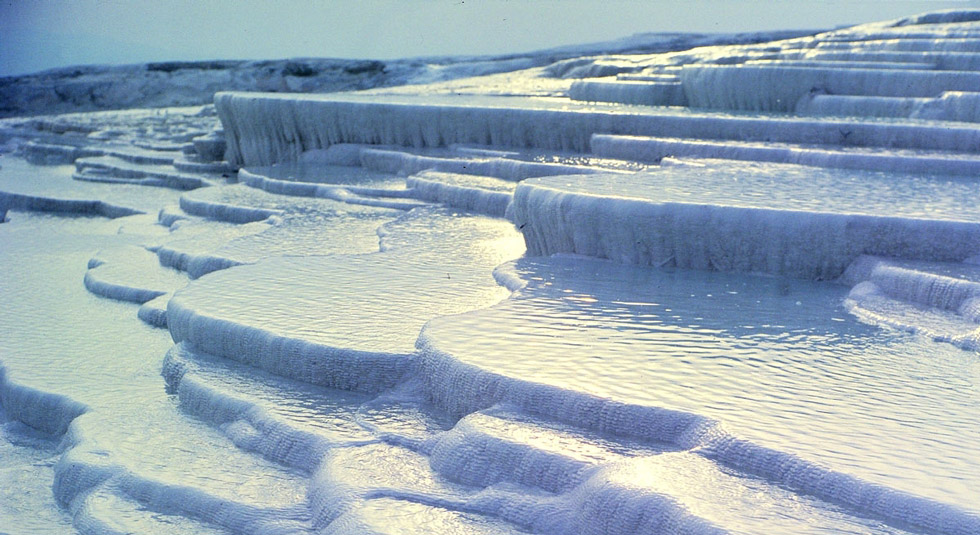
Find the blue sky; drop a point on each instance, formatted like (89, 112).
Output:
(41, 34)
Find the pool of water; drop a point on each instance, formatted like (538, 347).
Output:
(78, 351)
(18, 176)
(788, 187)
(778, 362)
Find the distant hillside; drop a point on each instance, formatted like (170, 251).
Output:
(184, 83)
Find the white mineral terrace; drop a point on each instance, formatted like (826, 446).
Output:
(731, 289)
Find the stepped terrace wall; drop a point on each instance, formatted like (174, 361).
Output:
(265, 128)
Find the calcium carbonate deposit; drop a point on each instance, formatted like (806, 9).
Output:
(725, 289)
